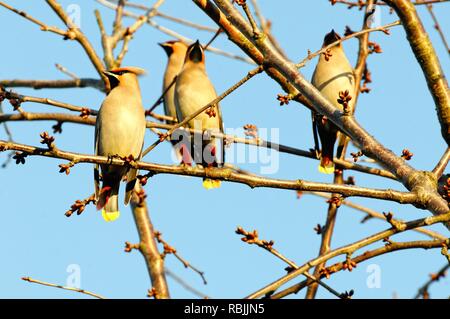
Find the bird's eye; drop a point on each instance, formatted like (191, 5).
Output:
(120, 73)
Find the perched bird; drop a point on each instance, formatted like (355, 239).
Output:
(119, 132)
(334, 78)
(176, 52)
(194, 90)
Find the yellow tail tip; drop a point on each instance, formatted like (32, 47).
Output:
(211, 183)
(111, 216)
(326, 169)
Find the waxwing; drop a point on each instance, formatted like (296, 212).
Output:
(119, 132)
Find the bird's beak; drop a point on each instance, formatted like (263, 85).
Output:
(196, 53)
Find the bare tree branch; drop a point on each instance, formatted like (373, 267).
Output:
(147, 244)
(55, 84)
(286, 74)
(388, 248)
(349, 249)
(82, 291)
(224, 174)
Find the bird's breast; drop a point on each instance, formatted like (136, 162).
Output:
(121, 130)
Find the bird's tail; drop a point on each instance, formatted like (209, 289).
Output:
(209, 183)
(326, 165)
(108, 201)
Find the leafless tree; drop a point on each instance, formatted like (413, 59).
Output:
(245, 25)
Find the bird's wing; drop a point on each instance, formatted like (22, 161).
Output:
(131, 179)
(222, 130)
(96, 166)
(315, 134)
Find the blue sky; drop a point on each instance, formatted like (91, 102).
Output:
(40, 242)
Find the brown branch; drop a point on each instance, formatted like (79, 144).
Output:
(443, 162)
(59, 117)
(9, 136)
(185, 22)
(90, 120)
(165, 16)
(428, 60)
(349, 249)
(168, 249)
(43, 26)
(370, 213)
(333, 206)
(74, 33)
(43, 283)
(266, 27)
(55, 84)
(437, 26)
(423, 291)
(363, 33)
(176, 35)
(125, 32)
(252, 238)
(224, 174)
(66, 71)
(147, 244)
(393, 246)
(327, 233)
(249, 75)
(286, 74)
(185, 285)
(25, 98)
(358, 4)
(108, 57)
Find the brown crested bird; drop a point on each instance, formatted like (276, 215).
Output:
(176, 52)
(193, 91)
(334, 78)
(119, 132)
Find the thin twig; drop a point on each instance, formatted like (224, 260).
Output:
(383, 28)
(374, 214)
(220, 174)
(66, 71)
(437, 26)
(249, 75)
(185, 285)
(82, 291)
(176, 35)
(252, 238)
(339, 266)
(55, 84)
(171, 250)
(443, 162)
(423, 291)
(147, 244)
(349, 249)
(90, 120)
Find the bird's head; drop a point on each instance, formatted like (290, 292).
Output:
(195, 53)
(174, 47)
(330, 38)
(123, 75)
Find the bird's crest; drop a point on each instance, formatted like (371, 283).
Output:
(128, 69)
